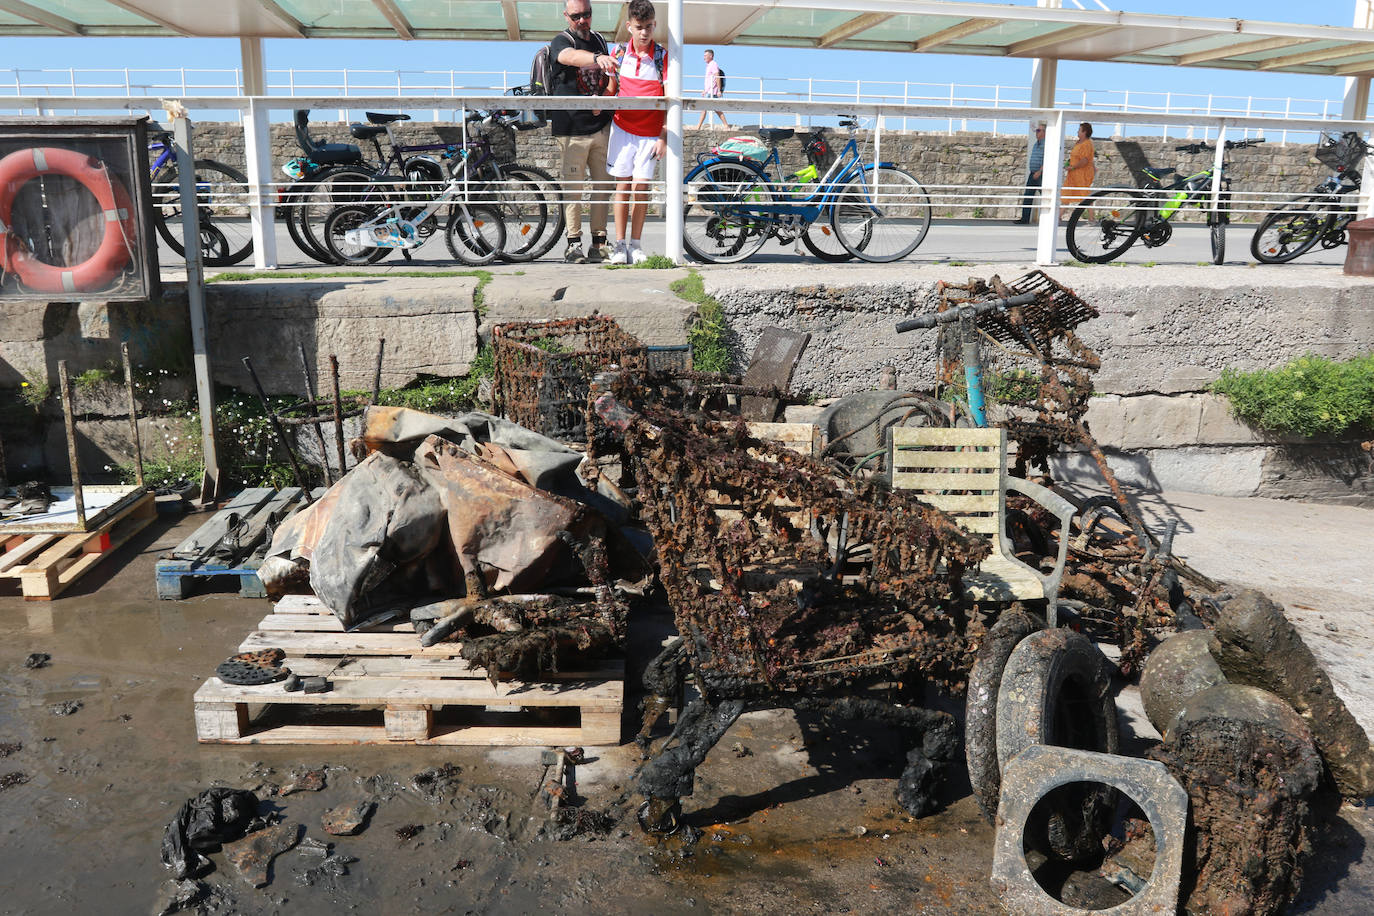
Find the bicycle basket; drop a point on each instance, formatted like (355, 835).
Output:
(1342, 152)
(544, 370)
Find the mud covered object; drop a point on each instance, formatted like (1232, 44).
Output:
(386, 516)
(212, 818)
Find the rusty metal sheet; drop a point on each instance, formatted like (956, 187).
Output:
(774, 360)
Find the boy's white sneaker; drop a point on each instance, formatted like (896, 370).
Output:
(637, 255)
(621, 255)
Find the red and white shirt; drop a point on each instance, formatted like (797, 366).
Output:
(641, 76)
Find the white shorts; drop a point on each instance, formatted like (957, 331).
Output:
(630, 155)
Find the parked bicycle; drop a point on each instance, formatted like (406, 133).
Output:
(855, 209)
(226, 229)
(1321, 216)
(1105, 224)
(524, 197)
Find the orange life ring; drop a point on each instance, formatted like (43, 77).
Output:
(94, 273)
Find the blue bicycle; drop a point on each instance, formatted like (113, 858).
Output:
(226, 231)
(733, 204)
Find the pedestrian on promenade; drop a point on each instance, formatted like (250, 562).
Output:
(1079, 171)
(1035, 173)
(638, 138)
(581, 64)
(712, 88)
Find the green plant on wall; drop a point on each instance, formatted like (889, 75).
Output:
(1310, 396)
(710, 352)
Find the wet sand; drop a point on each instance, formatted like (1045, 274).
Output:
(805, 822)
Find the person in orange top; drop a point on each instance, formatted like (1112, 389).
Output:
(638, 138)
(1079, 171)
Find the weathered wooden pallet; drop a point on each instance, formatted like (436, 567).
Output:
(388, 689)
(47, 564)
(191, 564)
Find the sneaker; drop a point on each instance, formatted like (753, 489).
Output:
(599, 251)
(637, 255)
(574, 253)
(621, 254)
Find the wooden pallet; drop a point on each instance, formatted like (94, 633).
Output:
(190, 565)
(388, 689)
(47, 564)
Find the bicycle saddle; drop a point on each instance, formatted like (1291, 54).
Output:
(1161, 173)
(323, 153)
(377, 117)
(366, 131)
(772, 135)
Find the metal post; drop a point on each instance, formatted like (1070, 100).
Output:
(1355, 107)
(672, 171)
(312, 397)
(1048, 230)
(338, 413)
(258, 150)
(65, 386)
(377, 373)
(276, 428)
(195, 298)
(133, 412)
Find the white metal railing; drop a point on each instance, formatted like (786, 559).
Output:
(346, 83)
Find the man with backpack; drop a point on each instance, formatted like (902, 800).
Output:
(580, 64)
(713, 87)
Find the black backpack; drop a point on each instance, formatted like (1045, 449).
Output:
(541, 69)
(722, 82)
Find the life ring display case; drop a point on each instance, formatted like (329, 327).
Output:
(76, 219)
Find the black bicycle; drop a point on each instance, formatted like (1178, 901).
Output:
(1105, 224)
(226, 230)
(1320, 217)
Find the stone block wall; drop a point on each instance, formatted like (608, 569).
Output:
(945, 164)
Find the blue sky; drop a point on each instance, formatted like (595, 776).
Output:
(35, 53)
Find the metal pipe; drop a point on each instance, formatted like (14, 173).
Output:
(338, 413)
(377, 373)
(69, 418)
(281, 433)
(133, 412)
(314, 412)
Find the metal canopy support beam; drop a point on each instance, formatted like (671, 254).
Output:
(258, 152)
(397, 19)
(851, 28)
(167, 24)
(1312, 57)
(1047, 231)
(672, 168)
(1249, 47)
(195, 298)
(753, 16)
(42, 17)
(954, 33)
(1058, 37)
(512, 19)
(1356, 108)
(282, 16)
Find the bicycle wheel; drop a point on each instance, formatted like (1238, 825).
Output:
(339, 223)
(1104, 225)
(331, 189)
(476, 234)
(523, 212)
(821, 240)
(718, 224)
(1290, 231)
(293, 201)
(226, 227)
(881, 215)
(549, 194)
(1218, 232)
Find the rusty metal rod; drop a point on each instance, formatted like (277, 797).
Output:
(338, 413)
(377, 373)
(133, 412)
(314, 414)
(281, 433)
(69, 418)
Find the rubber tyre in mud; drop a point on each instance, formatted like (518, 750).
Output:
(1056, 689)
(980, 706)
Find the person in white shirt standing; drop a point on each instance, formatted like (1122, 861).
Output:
(711, 88)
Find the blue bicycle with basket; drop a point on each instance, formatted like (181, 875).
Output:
(733, 203)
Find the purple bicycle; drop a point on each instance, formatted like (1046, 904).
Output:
(226, 230)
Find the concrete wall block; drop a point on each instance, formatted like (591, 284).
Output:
(1220, 471)
(1219, 427)
(430, 328)
(1341, 473)
(103, 445)
(649, 310)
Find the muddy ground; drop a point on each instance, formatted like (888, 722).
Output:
(794, 817)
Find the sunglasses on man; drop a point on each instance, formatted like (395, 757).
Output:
(579, 17)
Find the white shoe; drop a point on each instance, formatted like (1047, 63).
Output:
(621, 255)
(637, 255)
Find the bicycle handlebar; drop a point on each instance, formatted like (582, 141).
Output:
(1204, 147)
(971, 310)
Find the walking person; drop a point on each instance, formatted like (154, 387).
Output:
(638, 138)
(581, 64)
(712, 88)
(1079, 171)
(1035, 174)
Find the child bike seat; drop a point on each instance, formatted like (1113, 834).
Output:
(377, 117)
(366, 131)
(323, 153)
(772, 135)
